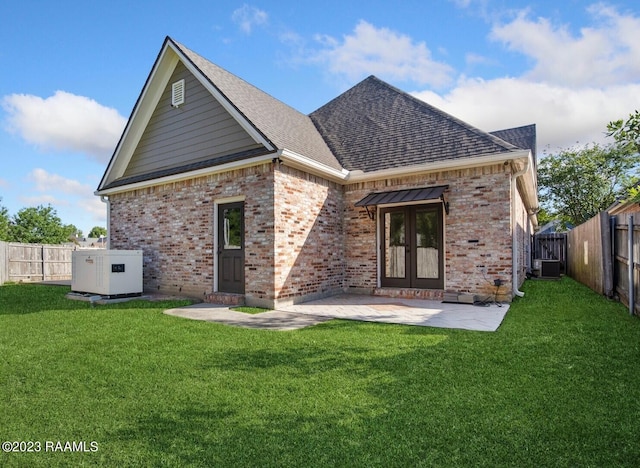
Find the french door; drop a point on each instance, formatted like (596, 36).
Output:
(412, 247)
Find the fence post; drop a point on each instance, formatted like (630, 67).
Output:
(4, 262)
(42, 257)
(632, 298)
(607, 257)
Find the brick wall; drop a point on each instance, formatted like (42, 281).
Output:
(309, 239)
(323, 244)
(173, 225)
(523, 240)
(479, 202)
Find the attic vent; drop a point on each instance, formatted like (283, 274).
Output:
(177, 93)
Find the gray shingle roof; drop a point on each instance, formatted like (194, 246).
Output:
(523, 137)
(375, 126)
(280, 124)
(372, 126)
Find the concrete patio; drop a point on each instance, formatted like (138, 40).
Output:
(366, 308)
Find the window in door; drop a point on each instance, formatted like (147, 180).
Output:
(412, 248)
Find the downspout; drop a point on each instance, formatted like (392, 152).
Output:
(514, 240)
(105, 199)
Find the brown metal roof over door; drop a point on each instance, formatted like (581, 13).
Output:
(403, 196)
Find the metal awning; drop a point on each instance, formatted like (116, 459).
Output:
(404, 196)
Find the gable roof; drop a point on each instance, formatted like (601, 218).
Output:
(281, 124)
(271, 123)
(375, 126)
(370, 128)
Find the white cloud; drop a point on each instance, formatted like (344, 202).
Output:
(45, 181)
(96, 209)
(563, 115)
(576, 84)
(383, 52)
(65, 122)
(74, 197)
(247, 17)
(604, 54)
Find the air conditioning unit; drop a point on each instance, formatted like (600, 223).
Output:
(107, 272)
(547, 268)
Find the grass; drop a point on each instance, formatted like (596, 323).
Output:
(249, 310)
(557, 385)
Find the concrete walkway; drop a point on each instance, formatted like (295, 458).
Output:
(356, 307)
(272, 320)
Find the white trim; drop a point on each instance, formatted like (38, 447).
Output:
(216, 203)
(224, 102)
(142, 112)
(189, 175)
(148, 100)
(293, 159)
(448, 164)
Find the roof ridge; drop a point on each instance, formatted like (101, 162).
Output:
(281, 125)
(448, 116)
(482, 133)
(261, 91)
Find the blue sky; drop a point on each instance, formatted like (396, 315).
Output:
(72, 71)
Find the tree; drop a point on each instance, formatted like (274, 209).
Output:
(72, 232)
(626, 132)
(97, 231)
(39, 225)
(575, 185)
(5, 222)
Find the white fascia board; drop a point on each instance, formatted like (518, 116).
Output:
(293, 159)
(437, 166)
(151, 93)
(148, 100)
(189, 175)
(224, 102)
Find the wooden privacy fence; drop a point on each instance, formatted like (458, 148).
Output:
(34, 262)
(626, 237)
(589, 254)
(603, 254)
(551, 247)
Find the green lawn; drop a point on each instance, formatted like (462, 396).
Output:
(557, 385)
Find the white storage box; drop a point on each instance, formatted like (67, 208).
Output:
(107, 272)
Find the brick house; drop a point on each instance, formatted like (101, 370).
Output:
(228, 190)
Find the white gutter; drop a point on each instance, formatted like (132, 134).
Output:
(447, 164)
(309, 165)
(514, 240)
(104, 199)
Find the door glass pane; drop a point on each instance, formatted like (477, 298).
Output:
(427, 248)
(232, 228)
(394, 244)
